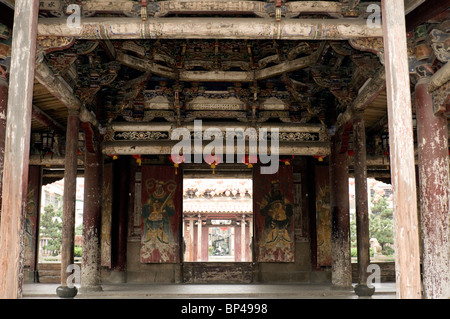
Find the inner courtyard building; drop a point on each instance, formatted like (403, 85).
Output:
(276, 105)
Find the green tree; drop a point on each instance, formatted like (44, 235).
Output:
(51, 227)
(381, 225)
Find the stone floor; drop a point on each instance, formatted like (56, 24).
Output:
(211, 291)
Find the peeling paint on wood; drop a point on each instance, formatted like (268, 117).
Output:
(18, 129)
(432, 136)
(341, 268)
(406, 239)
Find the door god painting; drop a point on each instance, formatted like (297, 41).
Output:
(160, 218)
(274, 216)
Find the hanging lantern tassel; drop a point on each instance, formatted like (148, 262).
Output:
(176, 160)
(287, 161)
(138, 159)
(320, 157)
(249, 160)
(213, 160)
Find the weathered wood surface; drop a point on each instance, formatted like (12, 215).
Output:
(3, 108)
(401, 143)
(17, 147)
(47, 120)
(165, 147)
(209, 28)
(59, 89)
(367, 95)
(69, 197)
(200, 273)
(362, 207)
(434, 190)
(282, 127)
(341, 268)
(90, 273)
(438, 79)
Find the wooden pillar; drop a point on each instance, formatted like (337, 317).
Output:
(243, 239)
(32, 222)
(432, 140)
(406, 237)
(199, 239)
(362, 209)
(3, 108)
(17, 147)
(69, 202)
(120, 218)
(341, 267)
(90, 269)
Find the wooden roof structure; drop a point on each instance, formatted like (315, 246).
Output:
(153, 79)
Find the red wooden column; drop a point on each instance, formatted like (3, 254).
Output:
(341, 267)
(69, 197)
(432, 140)
(90, 268)
(17, 147)
(119, 237)
(403, 178)
(362, 208)
(3, 108)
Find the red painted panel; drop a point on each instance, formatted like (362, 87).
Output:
(161, 213)
(273, 209)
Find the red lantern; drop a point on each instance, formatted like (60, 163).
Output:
(176, 160)
(138, 159)
(319, 157)
(351, 152)
(286, 159)
(249, 160)
(213, 160)
(114, 157)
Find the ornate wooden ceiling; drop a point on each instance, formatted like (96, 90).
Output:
(182, 80)
(154, 81)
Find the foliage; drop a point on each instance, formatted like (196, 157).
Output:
(381, 225)
(79, 230)
(354, 252)
(51, 227)
(78, 251)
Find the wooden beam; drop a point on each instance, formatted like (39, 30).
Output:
(47, 120)
(9, 3)
(401, 142)
(61, 90)
(424, 12)
(155, 127)
(209, 28)
(367, 94)
(17, 148)
(51, 160)
(438, 79)
(410, 5)
(287, 66)
(145, 66)
(165, 148)
(217, 76)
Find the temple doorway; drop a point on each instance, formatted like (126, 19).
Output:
(217, 219)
